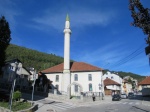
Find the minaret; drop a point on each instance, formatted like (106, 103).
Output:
(67, 33)
(66, 72)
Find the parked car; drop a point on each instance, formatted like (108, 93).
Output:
(130, 95)
(116, 97)
(124, 96)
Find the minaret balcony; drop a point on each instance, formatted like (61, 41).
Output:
(67, 30)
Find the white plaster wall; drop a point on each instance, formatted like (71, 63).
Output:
(115, 77)
(113, 87)
(83, 80)
(129, 87)
(52, 77)
(65, 82)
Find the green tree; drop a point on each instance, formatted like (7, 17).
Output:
(141, 19)
(4, 40)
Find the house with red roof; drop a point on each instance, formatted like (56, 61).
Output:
(144, 86)
(145, 83)
(114, 83)
(111, 86)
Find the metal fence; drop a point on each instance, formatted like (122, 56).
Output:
(89, 94)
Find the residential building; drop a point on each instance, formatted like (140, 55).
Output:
(145, 83)
(111, 87)
(116, 78)
(144, 86)
(134, 81)
(127, 86)
(130, 84)
(14, 69)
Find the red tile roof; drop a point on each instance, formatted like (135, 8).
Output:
(110, 82)
(145, 81)
(74, 67)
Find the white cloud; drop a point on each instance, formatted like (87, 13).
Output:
(109, 53)
(78, 18)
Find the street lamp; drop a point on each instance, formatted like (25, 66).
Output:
(13, 86)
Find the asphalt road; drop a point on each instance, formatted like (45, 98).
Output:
(115, 106)
(135, 104)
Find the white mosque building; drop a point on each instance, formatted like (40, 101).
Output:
(72, 78)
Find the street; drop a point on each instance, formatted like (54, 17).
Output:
(46, 105)
(135, 104)
(125, 105)
(113, 107)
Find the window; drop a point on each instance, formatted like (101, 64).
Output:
(12, 67)
(76, 77)
(57, 78)
(76, 88)
(90, 87)
(90, 77)
(57, 86)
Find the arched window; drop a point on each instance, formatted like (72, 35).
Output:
(76, 77)
(90, 87)
(90, 77)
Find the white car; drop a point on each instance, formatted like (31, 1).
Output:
(124, 96)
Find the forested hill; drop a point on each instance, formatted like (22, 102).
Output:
(135, 76)
(32, 58)
(41, 61)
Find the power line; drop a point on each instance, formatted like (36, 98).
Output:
(129, 57)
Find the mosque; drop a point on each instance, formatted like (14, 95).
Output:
(74, 78)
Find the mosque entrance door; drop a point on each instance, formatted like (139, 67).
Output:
(74, 89)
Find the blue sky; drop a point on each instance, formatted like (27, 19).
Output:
(101, 31)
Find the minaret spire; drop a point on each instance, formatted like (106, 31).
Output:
(67, 33)
(67, 18)
(66, 72)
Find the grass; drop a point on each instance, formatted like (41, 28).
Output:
(16, 106)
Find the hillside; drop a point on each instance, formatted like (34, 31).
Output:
(32, 58)
(41, 61)
(135, 76)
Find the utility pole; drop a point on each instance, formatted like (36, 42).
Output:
(13, 86)
(34, 77)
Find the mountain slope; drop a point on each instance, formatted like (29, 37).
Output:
(32, 58)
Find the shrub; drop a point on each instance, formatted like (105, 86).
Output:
(16, 95)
